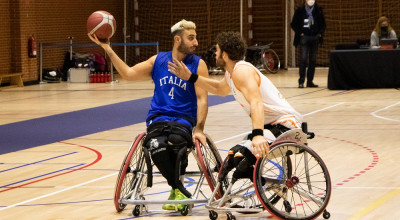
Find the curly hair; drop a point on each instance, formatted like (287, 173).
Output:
(233, 44)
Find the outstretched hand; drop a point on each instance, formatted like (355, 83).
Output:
(179, 69)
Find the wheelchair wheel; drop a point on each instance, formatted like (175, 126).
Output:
(271, 61)
(210, 161)
(297, 176)
(127, 183)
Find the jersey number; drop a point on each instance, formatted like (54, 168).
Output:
(171, 93)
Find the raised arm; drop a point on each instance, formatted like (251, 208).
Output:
(141, 71)
(217, 87)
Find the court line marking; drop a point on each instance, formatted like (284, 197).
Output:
(367, 187)
(99, 156)
(40, 161)
(57, 192)
(310, 113)
(385, 118)
(385, 198)
(94, 180)
(42, 175)
(323, 109)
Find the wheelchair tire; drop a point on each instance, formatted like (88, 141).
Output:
(133, 162)
(210, 161)
(304, 187)
(270, 61)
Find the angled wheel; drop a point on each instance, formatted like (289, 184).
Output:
(230, 216)
(185, 210)
(298, 176)
(210, 162)
(213, 215)
(271, 61)
(128, 184)
(136, 211)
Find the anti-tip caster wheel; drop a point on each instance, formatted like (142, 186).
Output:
(185, 210)
(326, 214)
(213, 215)
(230, 216)
(136, 210)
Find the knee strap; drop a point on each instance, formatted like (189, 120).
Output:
(149, 167)
(178, 183)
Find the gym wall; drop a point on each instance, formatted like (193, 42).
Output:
(53, 21)
(50, 21)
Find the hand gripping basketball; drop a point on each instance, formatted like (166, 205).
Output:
(102, 25)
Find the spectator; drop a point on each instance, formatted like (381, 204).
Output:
(382, 30)
(308, 23)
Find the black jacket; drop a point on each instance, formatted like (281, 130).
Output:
(298, 22)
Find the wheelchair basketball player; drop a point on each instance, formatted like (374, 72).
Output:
(178, 108)
(258, 96)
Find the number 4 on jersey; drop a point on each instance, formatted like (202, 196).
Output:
(171, 93)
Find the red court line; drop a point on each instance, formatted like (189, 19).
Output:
(374, 157)
(99, 156)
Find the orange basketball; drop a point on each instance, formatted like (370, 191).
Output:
(102, 24)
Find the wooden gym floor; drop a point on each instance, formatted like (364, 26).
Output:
(72, 173)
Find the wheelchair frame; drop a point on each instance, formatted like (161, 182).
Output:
(291, 183)
(131, 181)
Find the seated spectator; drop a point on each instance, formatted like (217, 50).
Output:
(382, 30)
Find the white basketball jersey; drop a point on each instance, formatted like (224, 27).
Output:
(276, 107)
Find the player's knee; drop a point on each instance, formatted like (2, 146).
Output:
(243, 161)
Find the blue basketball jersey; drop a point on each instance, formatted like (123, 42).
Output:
(173, 97)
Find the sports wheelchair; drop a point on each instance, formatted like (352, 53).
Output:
(292, 182)
(134, 182)
(263, 57)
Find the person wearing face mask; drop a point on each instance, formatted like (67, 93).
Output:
(382, 30)
(308, 23)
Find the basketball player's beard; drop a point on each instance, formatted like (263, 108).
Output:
(183, 48)
(220, 62)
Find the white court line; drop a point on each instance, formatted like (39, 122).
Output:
(94, 180)
(384, 118)
(229, 138)
(323, 109)
(368, 187)
(316, 111)
(60, 191)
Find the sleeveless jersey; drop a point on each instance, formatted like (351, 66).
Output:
(275, 105)
(173, 97)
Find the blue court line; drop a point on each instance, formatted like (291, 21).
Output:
(113, 170)
(44, 163)
(46, 174)
(63, 203)
(28, 164)
(98, 200)
(156, 213)
(55, 128)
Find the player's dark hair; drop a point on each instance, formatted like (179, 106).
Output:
(177, 32)
(233, 44)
